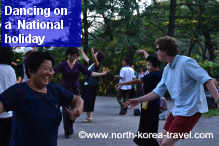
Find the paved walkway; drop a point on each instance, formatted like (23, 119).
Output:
(107, 119)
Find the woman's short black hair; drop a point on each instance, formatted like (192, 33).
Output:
(35, 59)
(71, 50)
(6, 55)
(100, 55)
(153, 60)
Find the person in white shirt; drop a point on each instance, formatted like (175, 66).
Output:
(126, 74)
(27, 52)
(7, 79)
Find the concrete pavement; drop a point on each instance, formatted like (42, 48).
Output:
(107, 120)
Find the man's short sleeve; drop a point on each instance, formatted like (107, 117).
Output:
(10, 99)
(122, 73)
(161, 87)
(193, 69)
(65, 96)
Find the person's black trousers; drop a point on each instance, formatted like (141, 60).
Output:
(67, 122)
(149, 121)
(5, 131)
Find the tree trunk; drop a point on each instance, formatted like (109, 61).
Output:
(130, 55)
(208, 44)
(86, 26)
(192, 44)
(171, 26)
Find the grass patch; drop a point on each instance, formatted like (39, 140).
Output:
(211, 112)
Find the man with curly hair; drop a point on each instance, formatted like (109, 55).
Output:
(184, 79)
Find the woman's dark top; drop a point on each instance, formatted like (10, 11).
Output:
(36, 116)
(70, 77)
(150, 82)
(92, 81)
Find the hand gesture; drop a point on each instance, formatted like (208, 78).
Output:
(73, 114)
(79, 49)
(132, 103)
(140, 51)
(92, 50)
(104, 72)
(118, 86)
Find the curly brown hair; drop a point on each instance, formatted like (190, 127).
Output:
(167, 44)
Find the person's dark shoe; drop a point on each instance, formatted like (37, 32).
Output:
(123, 112)
(67, 136)
(137, 112)
(71, 132)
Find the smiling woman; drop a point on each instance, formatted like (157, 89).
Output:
(39, 70)
(36, 104)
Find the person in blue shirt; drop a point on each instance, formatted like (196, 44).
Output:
(36, 104)
(184, 79)
(149, 117)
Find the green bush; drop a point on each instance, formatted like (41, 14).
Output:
(211, 67)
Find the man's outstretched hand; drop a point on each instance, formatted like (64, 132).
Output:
(118, 86)
(140, 51)
(132, 103)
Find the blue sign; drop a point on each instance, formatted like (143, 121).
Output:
(41, 23)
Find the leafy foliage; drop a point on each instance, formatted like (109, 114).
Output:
(120, 27)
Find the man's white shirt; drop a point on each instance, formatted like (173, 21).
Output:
(127, 74)
(7, 79)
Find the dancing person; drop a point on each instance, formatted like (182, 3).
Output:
(149, 118)
(70, 70)
(90, 89)
(36, 104)
(184, 79)
(7, 79)
(126, 74)
(27, 52)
